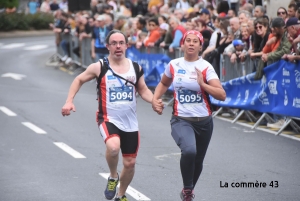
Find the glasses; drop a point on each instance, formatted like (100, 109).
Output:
(114, 44)
(281, 13)
(152, 24)
(258, 27)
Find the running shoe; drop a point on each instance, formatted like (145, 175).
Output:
(187, 195)
(123, 198)
(111, 188)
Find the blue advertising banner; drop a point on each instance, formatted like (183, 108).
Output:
(277, 92)
(152, 64)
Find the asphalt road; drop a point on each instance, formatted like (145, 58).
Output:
(47, 157)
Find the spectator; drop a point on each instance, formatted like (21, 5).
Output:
(54, 6)
(260, 39)
(108, 21)
(238, 53)
(162, 19)
(113, 4)
(94, 7)
(153, 34)
(63, 5)
(213, 40)
(200, 25)
(246, 36)
(155, 3)
(283, 48)
(183, 4)
(177, 33)
(83, 30)
(212, 10)
(164, 31)
(56, 26)
(45, 7)
(234, 4)
(139, 8)
(251, 26)
(235, 27)
(248, 7)
(281, 12)
(123, 10)
(223, 6)
(231, 13)
(259, 11)
(33, 6)
(244, 16)
(153, 12)
(205, 16)
(190, 25)
(65, 30)
(278, 30)
(179, 14)
(292, 10)
(227, 39)
(293, 29)
(298, 13)
(120, 23)
(91, 22)
(141, 25)
(98, 45)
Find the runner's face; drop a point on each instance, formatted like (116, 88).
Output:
(192, 44)
(117, 45)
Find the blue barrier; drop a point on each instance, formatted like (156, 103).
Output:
(153, 64)
(277, 92)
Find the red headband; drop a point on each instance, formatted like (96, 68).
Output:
(196, 33)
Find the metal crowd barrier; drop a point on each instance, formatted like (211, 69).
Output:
(83, 60)
(234, 70)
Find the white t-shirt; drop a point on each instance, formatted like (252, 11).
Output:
(214, 37)
(189, 99)
(184, 5)
(118, 101)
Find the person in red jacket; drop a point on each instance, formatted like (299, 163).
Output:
(154, 33)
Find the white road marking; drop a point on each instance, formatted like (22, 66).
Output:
(14, 76)
(7, 111)
(69, 150)
(131, 191)
(12, 45)
(34, 128)
(36, 47)
(161, 157)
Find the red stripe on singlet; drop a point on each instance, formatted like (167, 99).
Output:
(174, 94)
(205, 95)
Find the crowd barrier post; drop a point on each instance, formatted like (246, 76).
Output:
(85, 50)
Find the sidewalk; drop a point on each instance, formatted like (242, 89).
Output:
(19, 34)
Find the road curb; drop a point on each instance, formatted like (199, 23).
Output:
(20, 34)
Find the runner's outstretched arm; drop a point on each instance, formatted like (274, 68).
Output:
(91, 72)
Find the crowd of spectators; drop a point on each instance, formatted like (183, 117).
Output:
(240, 30)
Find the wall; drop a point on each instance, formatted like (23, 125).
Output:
(273, 5)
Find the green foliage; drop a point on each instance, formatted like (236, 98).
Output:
(9, 3)
(21, 21)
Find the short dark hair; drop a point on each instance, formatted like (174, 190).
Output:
(113, 32)
(261, 20)
(154, 20)
(292, 5)
(142, 21)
